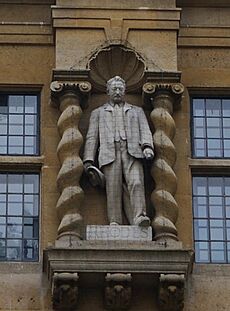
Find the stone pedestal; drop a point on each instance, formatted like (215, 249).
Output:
(117, 263)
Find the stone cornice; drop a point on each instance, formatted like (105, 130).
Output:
(203, 3)
(26, 33)
(162, 76)
(129, 18)
(138, 4)
(37, 2)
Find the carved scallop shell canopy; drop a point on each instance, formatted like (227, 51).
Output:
(116, 61)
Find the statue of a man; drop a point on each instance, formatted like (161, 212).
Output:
(120, 133)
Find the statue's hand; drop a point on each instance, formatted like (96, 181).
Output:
(87, 164)
(148, 153)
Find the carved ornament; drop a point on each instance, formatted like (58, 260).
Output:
(65, 291)
(69, 97)
(118, 291)
(152, 90)
(116, 60)
(77, 88)
(171, 292)
(163, 98)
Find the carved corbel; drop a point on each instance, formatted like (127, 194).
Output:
(69, 97)
(164, 98)
(171, 292)
(118, 291)
(65, 291)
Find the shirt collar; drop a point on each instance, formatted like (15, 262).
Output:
(114, 104)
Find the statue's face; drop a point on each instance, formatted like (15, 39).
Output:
(116, 92)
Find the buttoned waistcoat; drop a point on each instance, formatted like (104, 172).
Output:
(101, 133)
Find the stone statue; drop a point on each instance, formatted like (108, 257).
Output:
(121, 132)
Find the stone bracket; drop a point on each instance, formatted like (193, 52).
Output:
(118, 291)
(65, 291)
(119, 264)
(171, 292)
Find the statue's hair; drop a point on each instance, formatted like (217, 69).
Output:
(116, 79)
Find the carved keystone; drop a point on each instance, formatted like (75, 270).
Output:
(164, 98)
(118, 291)
(171, 292)
(69, 97)
(65, 291)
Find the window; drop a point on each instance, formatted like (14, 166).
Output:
(211, 210)
(211, 127)
(19, 124)
(19, 217)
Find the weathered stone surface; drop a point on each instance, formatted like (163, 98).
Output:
(65, 291)
(164, 98)
(118, 291)
(171, 292)
(68, 97)
(119, 233)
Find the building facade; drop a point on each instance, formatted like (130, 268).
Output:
(56, 57)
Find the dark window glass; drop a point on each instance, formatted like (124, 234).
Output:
(19, 124)
(211, 127)
(19, 217)
(211, 210)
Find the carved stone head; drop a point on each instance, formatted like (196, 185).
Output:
(116, 89)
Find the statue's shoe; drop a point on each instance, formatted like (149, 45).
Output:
(142, 221)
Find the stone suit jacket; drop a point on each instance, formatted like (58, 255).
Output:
(101, 134)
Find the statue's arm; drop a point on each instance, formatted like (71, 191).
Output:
(146, 138)
(92, 138)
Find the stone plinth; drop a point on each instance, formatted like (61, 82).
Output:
(119, 233)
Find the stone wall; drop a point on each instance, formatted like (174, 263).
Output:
(35, 39)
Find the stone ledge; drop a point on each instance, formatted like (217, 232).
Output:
(117, 265)
(113, 256)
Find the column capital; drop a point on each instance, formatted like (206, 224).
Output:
(152, 90)
(81, 89)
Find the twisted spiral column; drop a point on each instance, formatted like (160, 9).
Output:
(163, 98)
(69, 98)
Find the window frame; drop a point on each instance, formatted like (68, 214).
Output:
(27, 92)
(22, 259)
(206, 95)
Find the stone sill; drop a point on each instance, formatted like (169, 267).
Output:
(21, 162)
(209, 165)
(20, 267)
